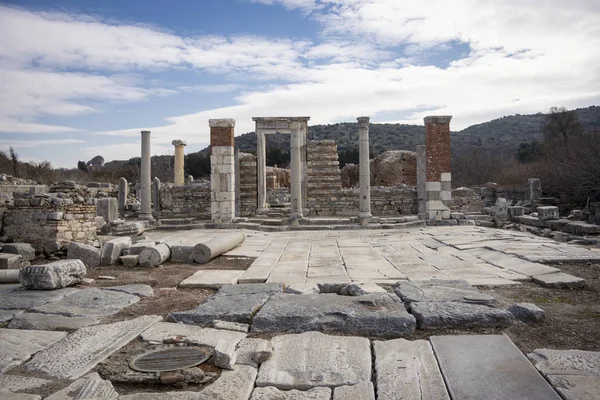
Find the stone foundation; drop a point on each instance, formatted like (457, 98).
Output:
(323, 173)
(185, 201)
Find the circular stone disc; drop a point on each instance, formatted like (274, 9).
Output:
(169, 359)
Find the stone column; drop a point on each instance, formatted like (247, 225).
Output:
(156, 195)
(122, 195)
(438, 166)
(189, 180)
(236, 161)
(421, 182)
(261, 171)
(222, 170)
(145, 173)
(296, 172)
(178, 177)
(364, 205)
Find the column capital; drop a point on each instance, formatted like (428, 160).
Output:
(145, 132)
(179, 143)
(437, 119)
(222, 123)
(363, 122)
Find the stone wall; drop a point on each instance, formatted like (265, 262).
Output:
(185, 201)
(277, 177)
(466, 200)
(323, 173)
(393, 168)
(39, 222)
(385, 201)
(248, 185)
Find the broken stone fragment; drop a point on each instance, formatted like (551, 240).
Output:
(231, 326)
(25, 250)
(56, 275)
(89, 255)
(224, 355)
(526, 312)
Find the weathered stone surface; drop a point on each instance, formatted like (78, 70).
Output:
(559, 280)
(111, 251)
(548, 213)
(359, 289)
(303, 288)
(7, 315)
(566, 362)
(16, 383)
(7, 395)
(204, 252)
(363, 391)
(161, 396)
(55, 275)
(89, 255)
(224, 355)
(313, 359)
(211, 279)
(9, 275)
(17, 346)
(231, 326)
(135, 289)
(50, 322)
(235, 384)
(82, 350)
(413, 292)
(108, 208)
(10, 261)
(251, 288)
(253, 351)
(25, 250)
(377, 314)
(190, 334)
(9, 287)
(23, 299)
(91, 302)
(182, 254)
(130, 261)
(526, 312)
(449, 314)
(272, 393)
(153, 256)
(52, 247)
(576, 387)
(90, 387)
(409, 368)
(476, 366)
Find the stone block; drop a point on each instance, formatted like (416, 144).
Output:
(19, 346)
(51, 322)
(224, 355)
(231, 326)
(111, 251)
(55, 275)
(559, 280)
(272, 393)
(10, 261)
(253, 351)
(52, 247)
(89, 255)
(25, 250)
(130, 261)
(526, 312)
(91, 302)
(547, 213)
(449, 314)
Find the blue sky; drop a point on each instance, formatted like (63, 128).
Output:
(82, 77)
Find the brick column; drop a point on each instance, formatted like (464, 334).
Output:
(178, 177)
(222, 170)
(438, 166)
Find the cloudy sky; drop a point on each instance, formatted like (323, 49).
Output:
(80, 78)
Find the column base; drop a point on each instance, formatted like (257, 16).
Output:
(296, 215)
(365, 218)
(146, 217)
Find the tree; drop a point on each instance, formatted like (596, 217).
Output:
(529, 152)
(561, 123)
(15, 161)
(82, 166)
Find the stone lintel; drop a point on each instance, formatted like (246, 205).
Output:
(179, 143)
(438, 119)
(221, 123)
(284, 119)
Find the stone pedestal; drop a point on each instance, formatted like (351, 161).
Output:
(145, 173)
(421, 182)
(438, 166)
(178, 175)
(222, 170)
(364, 176)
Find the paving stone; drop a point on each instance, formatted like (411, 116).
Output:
(312, 359)
(90, 302)
(407, 367)
(269, 288)
(10, 261)
(211, 279)
(7, 315)
(526, 312)
(235, 384)
(16, 383)
(90, 387)
(50, 322)
(89, 255)
(359, 289)
(377, 314)
(231, 326)
(488, 367)
(7, 395)
(449, 314)
(190, 334)
(363, 391)
(566, 362)
(23, 299)
(303, 288)
(253, 351)
(411, 292)
(161, 396)
(576, 387)
(111, 251)
(272, 393)
(135, 289)
(9, 287)
(18, 346)
(224, 355)
(559, 280)
(55, 275)
(25, 250)
(82, 350)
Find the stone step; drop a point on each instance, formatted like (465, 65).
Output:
(176, 221)
(181, 227)
(272, 222)
(325, 221)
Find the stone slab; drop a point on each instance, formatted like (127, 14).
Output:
(559, 280)
(409, 368)
(82, 350)
(90, 387)
(235, 384)
(377, 314)
(190, 334)
(211, 279)
(10, 261)
(361, 288)
(411, 292)
(576, 387)
(269, 288)
(7, 395)
(313, 359)
(363, 391)
(566, 362)
(50, 322)
(135, 289)
(253, 351)
(303, 288)
(7, 315)
(449, 314)
(90, 302)
(17, 346)
(16, 383)
(477, 367)
(272, 393)
(9, 287)
(161, 396)
(23, 299)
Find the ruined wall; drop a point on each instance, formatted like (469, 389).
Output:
(385, 201)
(349, 176)
(39, 220)
(185, 201)
(393, 168)
(466, 200)
(277, 177)
(323, 173)
(248, 185)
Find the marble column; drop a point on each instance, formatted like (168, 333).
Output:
(145, 173)
(261, 171)
(364, 205)
(222, 170)
(296, 172)
(178, 176)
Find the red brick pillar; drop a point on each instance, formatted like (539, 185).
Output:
(438, 166)
(222, 170)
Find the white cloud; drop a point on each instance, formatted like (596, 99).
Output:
(226, 88)
(16, 143)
